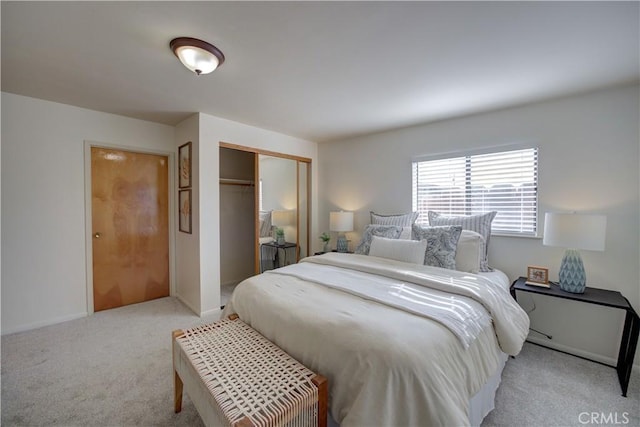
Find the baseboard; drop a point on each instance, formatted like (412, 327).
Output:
(42, 324)
(214, 312)
(575, 351)
(207, 313)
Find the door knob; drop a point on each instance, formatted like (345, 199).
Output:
(97, 235)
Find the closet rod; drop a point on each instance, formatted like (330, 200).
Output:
(231, 181)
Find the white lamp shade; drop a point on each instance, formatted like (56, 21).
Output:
(575, 231)
(282, 218)
(341, 221)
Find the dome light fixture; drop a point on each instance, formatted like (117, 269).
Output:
(197, 55)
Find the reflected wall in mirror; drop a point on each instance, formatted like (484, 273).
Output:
(278, 193)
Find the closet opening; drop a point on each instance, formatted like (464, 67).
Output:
(264, 212)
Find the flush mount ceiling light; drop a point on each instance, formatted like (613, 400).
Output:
(197, 55)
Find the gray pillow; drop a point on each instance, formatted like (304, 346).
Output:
(441, 244)
(401, 220)
(481, 224)
(388, 231)
(265, 223)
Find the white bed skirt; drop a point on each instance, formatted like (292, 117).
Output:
(484, 401)
(481, 404)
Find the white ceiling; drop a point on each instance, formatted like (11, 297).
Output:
(319, 71)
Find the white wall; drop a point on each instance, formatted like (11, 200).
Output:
(188, 245)
(206, 207)
(588, 162)
(44, 272)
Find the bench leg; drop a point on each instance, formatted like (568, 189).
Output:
(323, 398)
(177, 389)
(177, 381)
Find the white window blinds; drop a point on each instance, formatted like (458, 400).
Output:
(506, 182)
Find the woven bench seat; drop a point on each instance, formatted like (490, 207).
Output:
(236, 377)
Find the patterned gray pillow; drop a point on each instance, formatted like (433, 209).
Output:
(481, 224)
(401, 220)
(388, 231)
(441, 244)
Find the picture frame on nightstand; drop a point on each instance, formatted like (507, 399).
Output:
(538, 276)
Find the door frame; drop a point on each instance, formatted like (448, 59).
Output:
(88, 218)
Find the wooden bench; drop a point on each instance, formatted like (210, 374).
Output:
(237, 377)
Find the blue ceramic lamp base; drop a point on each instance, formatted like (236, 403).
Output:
(342, 244)
(572, 276)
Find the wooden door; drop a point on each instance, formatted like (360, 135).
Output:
(130, 225)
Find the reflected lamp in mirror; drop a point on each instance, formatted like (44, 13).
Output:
(341, 222)
(573, 232)
(281, 219)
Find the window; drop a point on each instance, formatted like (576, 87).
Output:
(506, 182)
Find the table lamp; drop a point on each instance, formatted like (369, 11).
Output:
(341, 222)
(574, 231)
(281, 219)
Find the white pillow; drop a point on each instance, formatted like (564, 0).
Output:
(411, 251)
(406, 233)
(470, 251)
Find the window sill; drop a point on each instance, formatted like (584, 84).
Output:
(521, 236)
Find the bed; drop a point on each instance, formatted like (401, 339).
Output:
(385, 365)
(401, 343)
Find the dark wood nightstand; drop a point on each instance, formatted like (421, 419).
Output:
(606, 298)
(286, 260)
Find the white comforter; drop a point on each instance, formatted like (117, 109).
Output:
(385, 366)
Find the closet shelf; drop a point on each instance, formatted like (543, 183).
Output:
(231, 181)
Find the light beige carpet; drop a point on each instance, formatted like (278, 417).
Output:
(114, 369)
(543, 387)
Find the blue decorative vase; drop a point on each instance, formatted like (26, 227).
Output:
(343, 244)
(572, 276)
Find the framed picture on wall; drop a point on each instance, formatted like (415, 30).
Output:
(184, 210)
(184, 165)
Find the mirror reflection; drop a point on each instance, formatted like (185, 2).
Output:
(278, 203)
